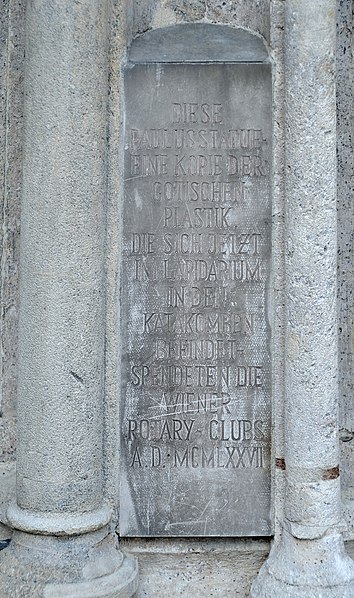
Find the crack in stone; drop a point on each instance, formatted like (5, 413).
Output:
(77, 377)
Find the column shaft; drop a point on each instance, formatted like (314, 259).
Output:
(310, 559)
(61, 345)
(311, 431)
(62, 545)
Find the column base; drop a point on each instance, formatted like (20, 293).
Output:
(297, 568)
(86, 566)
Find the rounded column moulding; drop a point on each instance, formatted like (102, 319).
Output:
(62, 545)
(309, 560)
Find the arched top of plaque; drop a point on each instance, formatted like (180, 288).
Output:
(198, 42)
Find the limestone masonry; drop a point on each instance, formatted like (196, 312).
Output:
(176, 319)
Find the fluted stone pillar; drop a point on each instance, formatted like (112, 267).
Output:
(62, 545)
(310, 560)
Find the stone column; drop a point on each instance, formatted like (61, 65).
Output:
(62, 545)
(310, 560)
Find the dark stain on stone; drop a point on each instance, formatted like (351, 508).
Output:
(4, 544)
(331, 474)
(280, 463)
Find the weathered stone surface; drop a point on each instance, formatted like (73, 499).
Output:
(11, 98)
(196, 358)
(253, 15)
(7, 494)
(84, 566)
(59, 478)
(278, 315)
(299, 568)
(250, 14)
(11, 115)
(185, 568)
(166, 574)
(345, 136)
(310, 559)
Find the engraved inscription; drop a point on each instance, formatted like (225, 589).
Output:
(196, 266)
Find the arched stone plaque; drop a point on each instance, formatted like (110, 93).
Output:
(196, 374)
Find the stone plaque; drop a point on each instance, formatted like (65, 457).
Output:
(196, 385)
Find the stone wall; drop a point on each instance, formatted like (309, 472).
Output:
(176, 563)
(11, 114)
(345, 137)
